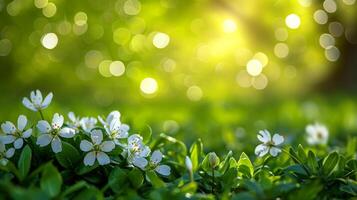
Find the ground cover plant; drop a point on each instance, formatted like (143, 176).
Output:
(101, 158)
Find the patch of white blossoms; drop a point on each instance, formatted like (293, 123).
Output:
(269, 144)
(317, 134)
(96, 149)
(15, 135)
(100, 147)
(36, 102)
(51, 133)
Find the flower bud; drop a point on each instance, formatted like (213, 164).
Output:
(188, 164)
(213, 159)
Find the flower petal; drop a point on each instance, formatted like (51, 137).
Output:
(140, 162)
(278, 139)
(28, 104)
(4, 161)
(7, 139)
(21, 122)
(43, 126)
(10, 152)
(96, 136)
(163, 170)
(156, 157)
(264, 136)
(144, 151)
(57, 121)
(44, 140)
(123, 131)
(85, 145)
(46, 102)
(103, 158)
(274, 151)
(67, 132)
(18, 143)
(56, 144)
(261, 150)
(72, 116)
(114, 115)
(27, 133)
(89, 159)
(107, 146)
(8, 127)
(101, 120)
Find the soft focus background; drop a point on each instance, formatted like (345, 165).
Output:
(216, 69)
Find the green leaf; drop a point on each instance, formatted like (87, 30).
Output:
(136, 177)
(51, 180)
(196, 154)
(73, 188)
(311, 161)
(301, 154)
(24, 162)
(297, 169)
(224, 165)
(117, 179)
(69, 156)
(91, 193)
(294, 156)
(330, 163)
(154, 179)
(146, 134)
(245, 166)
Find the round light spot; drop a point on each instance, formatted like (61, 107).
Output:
(229, 26)
(260, 82)
(80, 18)
(332, 53)
(194, 93)
(281, 50)
(293, 21)
(64, 28)
(281, 34)
(121, 36)
(50, 10)
(254, 67)
(330, 6)
(349, 2)
(148, 85)
(117, 68)
(41, 3)
(320, 17)
(244, 79)
(305, 3)
(5, 47)
(79, 30)
(49, 40)
(104, 68)
(168, 64)
(326, 40)
(132, 7)
(262, 58)
(93, 58)
(336, 29)
(161, 40)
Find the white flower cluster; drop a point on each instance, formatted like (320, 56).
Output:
(116, 135)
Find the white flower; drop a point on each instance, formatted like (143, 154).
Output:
(317, 134)
(155, 160)
(51, 133)
(88, 123)
(75, 121)
(137, 151)
(5, 154)
(269, 144)
(116, 130)
(114, 115)
(96, 149)
(188, 164)
(36, 102)
(15, 135)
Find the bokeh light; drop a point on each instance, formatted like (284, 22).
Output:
(49, 40)
(293, 21)
(117, 68)
(229, 26)
(148, 85)
(254, 67)
(161, 40)
(194, 93)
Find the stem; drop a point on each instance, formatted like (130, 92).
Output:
(41, 114)
(191, 175)
(212, 180)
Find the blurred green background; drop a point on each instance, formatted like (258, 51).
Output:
(216, 69)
